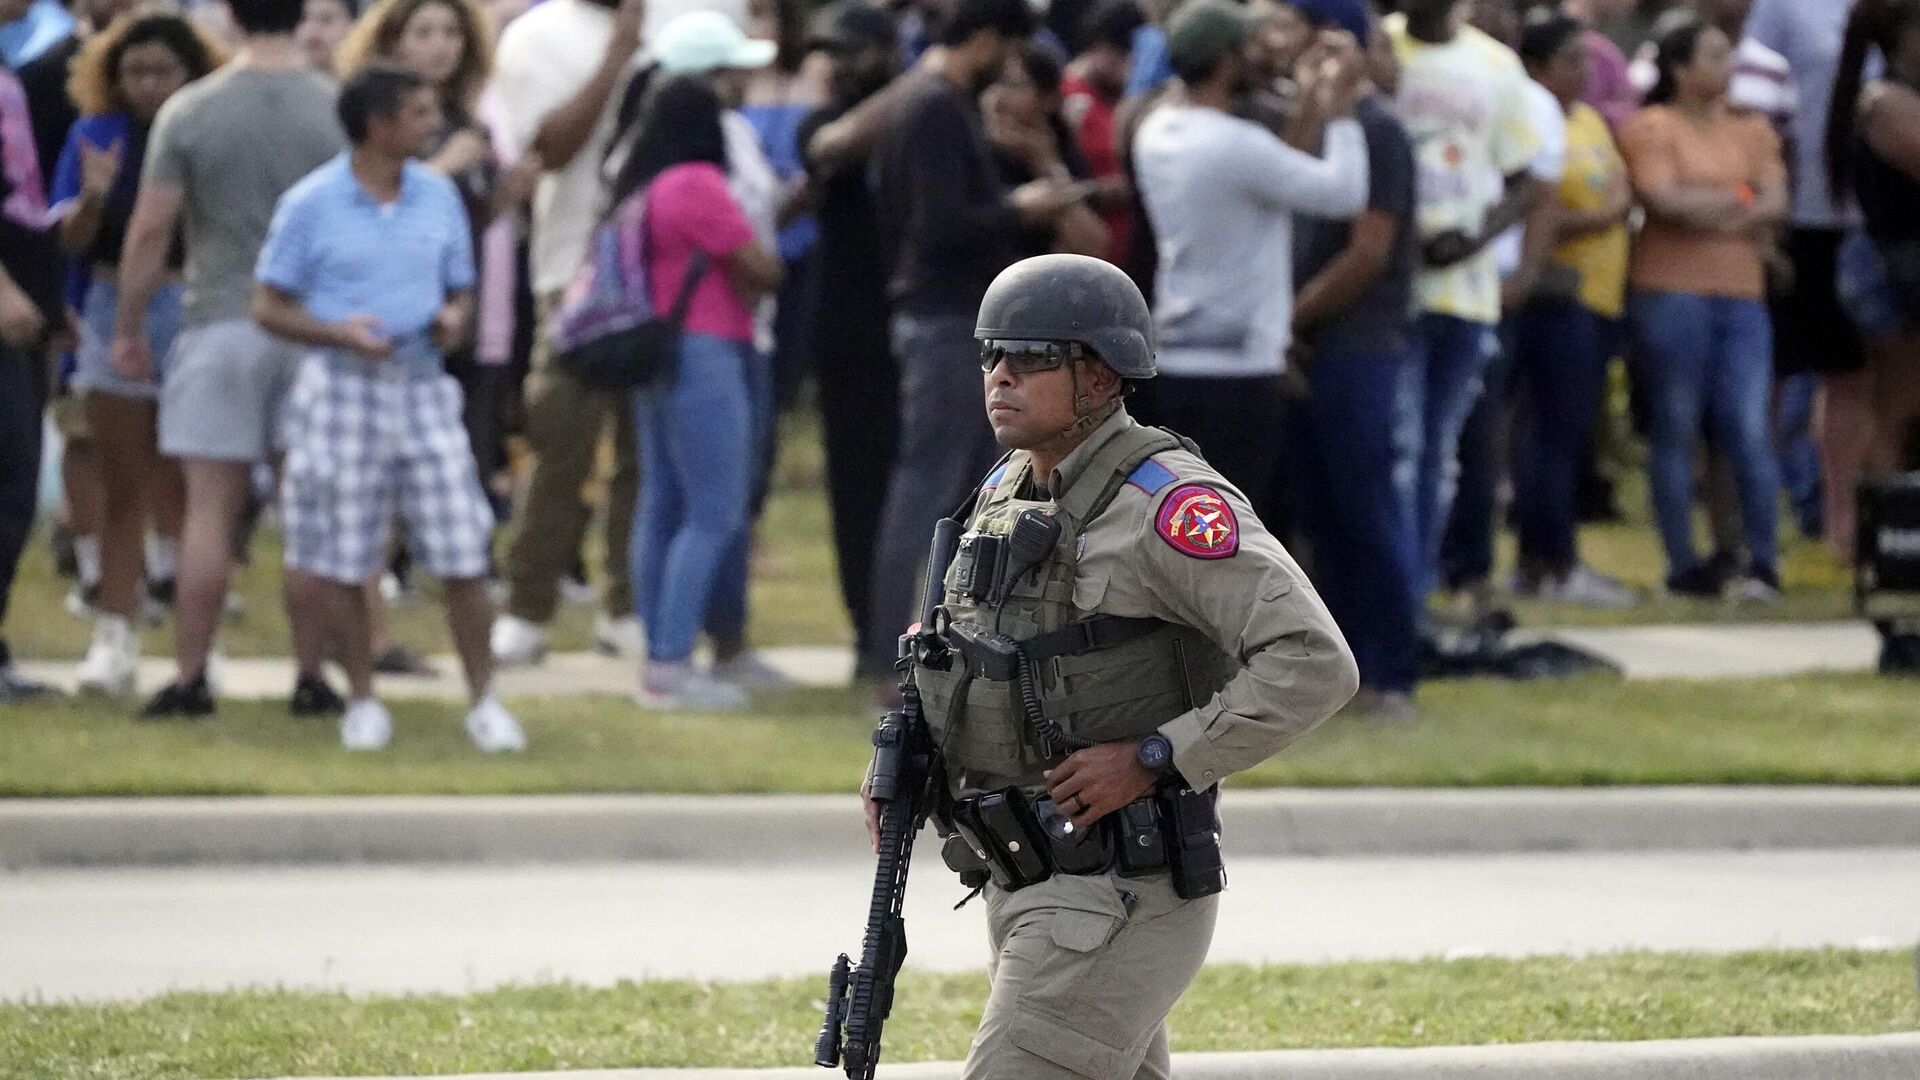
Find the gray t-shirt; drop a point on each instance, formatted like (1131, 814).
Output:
(232, 143)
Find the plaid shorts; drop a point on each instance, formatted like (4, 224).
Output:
(366, 441)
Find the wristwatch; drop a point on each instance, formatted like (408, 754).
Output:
(1155, 753)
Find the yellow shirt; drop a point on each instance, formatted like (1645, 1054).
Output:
(1595, 172)
(1464, 105)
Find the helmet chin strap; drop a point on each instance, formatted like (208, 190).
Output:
(1087, 415)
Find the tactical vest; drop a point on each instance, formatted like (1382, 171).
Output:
(1098, 678)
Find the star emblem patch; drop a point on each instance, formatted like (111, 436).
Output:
(1197, 522)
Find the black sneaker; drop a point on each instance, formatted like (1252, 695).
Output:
(15, 687)
(1900, 655)
(1697, 583)
(180, 699)
(400, 660)
(313, 697)
(1724, 566)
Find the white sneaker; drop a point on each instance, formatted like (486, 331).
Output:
(621, 638)
(577, 593)
(113, 660)
(1754, 589)
(493, 729)
(679, 688)
(518, 642)
(749, 672)
(366, 726)
(1586, 587)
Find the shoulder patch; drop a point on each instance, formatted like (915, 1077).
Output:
(1150, 476)
(993, 478)
(1196, 521)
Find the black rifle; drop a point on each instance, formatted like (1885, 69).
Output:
(906, 782)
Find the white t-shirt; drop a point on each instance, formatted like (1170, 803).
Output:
(546, 56)
(1464, 103)
(1549, 165)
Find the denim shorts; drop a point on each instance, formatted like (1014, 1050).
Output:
(1867, 291)
(93, 361)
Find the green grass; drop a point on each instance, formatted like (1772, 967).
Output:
(1591, 731)
(796, 599)
(1631, 996)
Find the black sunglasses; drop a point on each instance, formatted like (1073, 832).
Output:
(1028, 357)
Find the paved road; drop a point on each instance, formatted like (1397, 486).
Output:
(125, 933)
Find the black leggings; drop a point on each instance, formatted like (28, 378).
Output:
(21, 403)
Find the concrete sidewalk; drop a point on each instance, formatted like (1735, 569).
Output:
(1731, 650)
(1878, 1057)
(779, 829)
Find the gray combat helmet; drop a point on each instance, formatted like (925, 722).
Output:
(1072, 298)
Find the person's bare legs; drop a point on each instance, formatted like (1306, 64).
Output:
(379, 630)
(216, 497)
(470, 617)
(350, 634)
(308, 599)
(1844, 425)
(80, 479)
(124, 441)
(167, 497)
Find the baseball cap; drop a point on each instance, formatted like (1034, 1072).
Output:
(850, 24)
(1204, 30)
(1349, 15)
(709, 41)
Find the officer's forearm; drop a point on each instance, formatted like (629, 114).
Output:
(1287, 689)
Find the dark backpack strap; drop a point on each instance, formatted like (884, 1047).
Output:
(696, 269)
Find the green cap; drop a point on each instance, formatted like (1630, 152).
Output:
(1203, 30)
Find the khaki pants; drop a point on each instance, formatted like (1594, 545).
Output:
(565, 419)
(1084, 972)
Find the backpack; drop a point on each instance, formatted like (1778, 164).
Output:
(606, 332)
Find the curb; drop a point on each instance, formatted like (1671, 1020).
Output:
(1875, 1057)
(791, 828)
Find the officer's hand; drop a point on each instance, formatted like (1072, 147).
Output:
(873, 816)
(1098, 780)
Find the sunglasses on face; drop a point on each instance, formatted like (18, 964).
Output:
(1029, 357)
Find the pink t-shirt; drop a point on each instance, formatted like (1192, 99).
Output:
(689, 208)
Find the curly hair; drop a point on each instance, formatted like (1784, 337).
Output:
(94, 83)
(376, 37)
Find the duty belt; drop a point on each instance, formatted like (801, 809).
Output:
(1016, 840)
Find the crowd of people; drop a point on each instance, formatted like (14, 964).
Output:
(308, 259)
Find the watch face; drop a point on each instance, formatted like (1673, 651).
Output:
(1155, 753)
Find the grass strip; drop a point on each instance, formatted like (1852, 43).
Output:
(1627, 996)
(1583, 732)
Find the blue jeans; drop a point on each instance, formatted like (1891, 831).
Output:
(1350, 467)
(1439, 392)
(1711, 357)
(697, 460)
(1799, 457)
(1560, 362)
(946, 448)
(727, 611)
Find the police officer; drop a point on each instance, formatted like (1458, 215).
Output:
(1161, 640)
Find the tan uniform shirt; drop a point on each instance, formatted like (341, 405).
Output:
(1255, 603)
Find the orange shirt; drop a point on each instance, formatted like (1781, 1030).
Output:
(1663, 147)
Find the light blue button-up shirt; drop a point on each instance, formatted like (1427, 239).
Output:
(344, 254)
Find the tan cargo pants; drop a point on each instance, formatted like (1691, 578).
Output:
(565, 421)
(1084, 971)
